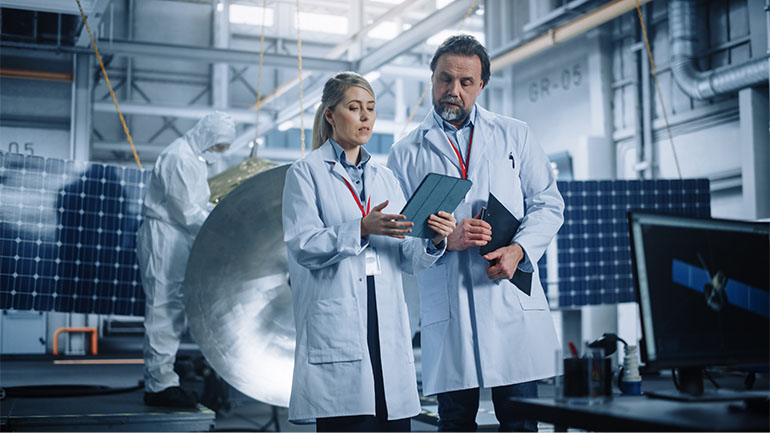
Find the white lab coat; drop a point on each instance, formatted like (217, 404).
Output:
(477, 332)
(176, 204)
(321, 225)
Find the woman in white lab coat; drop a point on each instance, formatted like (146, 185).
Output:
(353, 364)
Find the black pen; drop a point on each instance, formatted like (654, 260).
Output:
(513, 162)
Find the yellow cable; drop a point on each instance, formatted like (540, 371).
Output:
(259, 79)
(109, 85)
(657, 88)
(301, 106)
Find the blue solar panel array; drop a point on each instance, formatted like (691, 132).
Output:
(68, 236)
(594, 257)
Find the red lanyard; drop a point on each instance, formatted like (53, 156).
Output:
(463, 166)
(358, 201)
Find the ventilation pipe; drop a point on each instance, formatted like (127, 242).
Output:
(683, 34)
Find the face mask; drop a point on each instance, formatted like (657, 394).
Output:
(210, 157)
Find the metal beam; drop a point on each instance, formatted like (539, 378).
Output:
(340, 48)
(53, 6)
(180, 111)
(216, 55)
(191, 53)
(80, 120)
(417, 34)
(94, 15)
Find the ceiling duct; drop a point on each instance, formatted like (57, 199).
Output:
(683, 35)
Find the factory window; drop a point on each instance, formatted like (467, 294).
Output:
(252, 15)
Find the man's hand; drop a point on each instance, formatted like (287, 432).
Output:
(443, 224)
(471, 232)
(504, 261)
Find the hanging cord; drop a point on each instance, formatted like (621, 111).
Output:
(657, 87)
(259, 80)
(301, 106)
(468, 13)
(109, 85)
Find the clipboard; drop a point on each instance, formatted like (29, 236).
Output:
(436, 192)
(504, 227)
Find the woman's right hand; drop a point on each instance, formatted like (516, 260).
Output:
(378, 223)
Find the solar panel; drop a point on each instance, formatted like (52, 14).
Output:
(594, 258)
(68, 236)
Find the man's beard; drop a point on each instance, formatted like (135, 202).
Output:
(458, 114)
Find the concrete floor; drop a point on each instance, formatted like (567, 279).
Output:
(241, 413)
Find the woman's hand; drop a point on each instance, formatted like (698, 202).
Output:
(378, 223)
(443, 224)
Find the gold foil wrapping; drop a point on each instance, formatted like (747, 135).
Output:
(221, 184)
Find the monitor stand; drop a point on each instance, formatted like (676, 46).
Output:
(691, 390)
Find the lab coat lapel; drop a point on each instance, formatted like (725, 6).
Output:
(333, 164)
(435, 136)
(370, 183)
(482, 135)
(339, 173)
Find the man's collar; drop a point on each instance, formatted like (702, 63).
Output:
(470, 121)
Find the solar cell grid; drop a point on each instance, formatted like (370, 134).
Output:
(68, 235)
(63, 227)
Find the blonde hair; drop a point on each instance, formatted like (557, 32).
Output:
(334, 91)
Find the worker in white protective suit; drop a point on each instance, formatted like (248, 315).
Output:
(175, 206)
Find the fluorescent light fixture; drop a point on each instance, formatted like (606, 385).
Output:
(285, 126)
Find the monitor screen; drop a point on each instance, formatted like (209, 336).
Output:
(703, 287)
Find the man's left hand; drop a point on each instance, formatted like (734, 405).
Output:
(504, 261)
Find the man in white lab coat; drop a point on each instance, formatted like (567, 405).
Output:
(175, 206)
(478, 328)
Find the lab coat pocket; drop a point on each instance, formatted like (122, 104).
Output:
(334, 331)
(504, 183)
(434, 295)
(534, 301)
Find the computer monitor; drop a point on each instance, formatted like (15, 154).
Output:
(703, 287)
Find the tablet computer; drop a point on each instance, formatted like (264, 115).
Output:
(437, 192)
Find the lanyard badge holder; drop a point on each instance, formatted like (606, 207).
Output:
(372, 262)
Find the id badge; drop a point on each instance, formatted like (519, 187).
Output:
(372, 262)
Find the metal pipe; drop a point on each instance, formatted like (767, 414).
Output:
(576, 27)
(35, 75)
(683, 34)
(189, 52)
